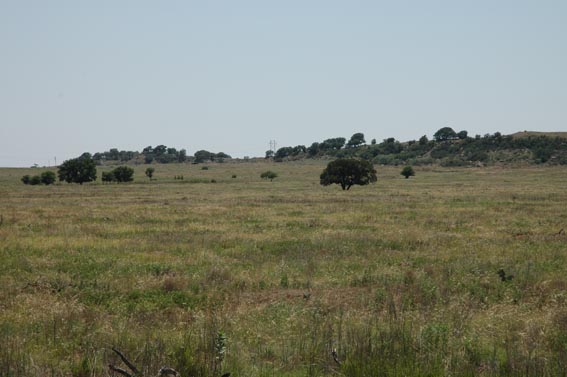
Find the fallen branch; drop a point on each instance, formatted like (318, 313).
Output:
(119, 370)
(126, 361)
(164, 371)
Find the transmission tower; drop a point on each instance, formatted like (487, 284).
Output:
(273, 146)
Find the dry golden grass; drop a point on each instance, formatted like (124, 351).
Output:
(400, 276)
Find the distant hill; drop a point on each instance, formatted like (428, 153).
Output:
(448, 148)
(562, 135)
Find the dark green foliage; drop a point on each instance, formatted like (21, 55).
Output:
(356, 140)
(283, 152)
(332, 144)
(48, 177)
(150, 173)
(348, 172)
(269, 154)
(203, 156)
(269, 175)
(313, 150)
(108, 176)
(120, 174)
(123, 174)
(78, 170)
(407, 172)
(462, 135)
(164, 155)
(35, 180)
(182, 155)
(445, 133)
(221, 155)
(115, 155)
(298, 150)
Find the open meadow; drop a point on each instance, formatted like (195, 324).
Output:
(215, 273)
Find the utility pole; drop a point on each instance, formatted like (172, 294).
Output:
(273, 146)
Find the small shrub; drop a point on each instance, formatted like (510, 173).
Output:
(108, 176)
(269, 175)
(407, 172)
(204, 168)
(150, 173)
(48, 177)
(234, 176)
(35, 180)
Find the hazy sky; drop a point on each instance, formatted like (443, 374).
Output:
(229, 76)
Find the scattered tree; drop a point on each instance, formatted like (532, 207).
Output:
(356, 140)
(408, 172)
(78, 170)
(26, 179)
(202, 156)
(333, 144)
(150, 173)
(462, 135)
(269, 175)
(445, 133)
(348, 172)
(123, 174)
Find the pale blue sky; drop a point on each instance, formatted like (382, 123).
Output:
(229, 76)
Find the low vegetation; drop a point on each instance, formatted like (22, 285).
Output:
(461, 273)
(407, 172)
(271, 175)
(46, 178)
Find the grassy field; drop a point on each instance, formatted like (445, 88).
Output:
(212, 273)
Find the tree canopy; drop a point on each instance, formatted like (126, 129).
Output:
(445, 133)
(78, 170)
(347, 172)
(356, 140)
